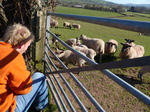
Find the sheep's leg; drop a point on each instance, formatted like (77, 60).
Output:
(139, 75)
(100, 58)
(56, 44)
(79, 65)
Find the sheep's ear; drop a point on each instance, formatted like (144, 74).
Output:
(132, 40)
(61, 51)
(121, 43)
(126, 39)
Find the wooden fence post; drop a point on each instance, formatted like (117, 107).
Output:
(38, 24)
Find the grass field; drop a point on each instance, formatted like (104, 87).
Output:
(106, 33)
(99, 31)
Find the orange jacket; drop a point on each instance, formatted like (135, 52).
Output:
(14, 77)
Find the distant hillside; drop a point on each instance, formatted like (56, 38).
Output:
(83, 2)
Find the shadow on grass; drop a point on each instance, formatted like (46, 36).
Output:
(131, 80)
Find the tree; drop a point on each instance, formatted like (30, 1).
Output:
(120, 8)
(21, 11)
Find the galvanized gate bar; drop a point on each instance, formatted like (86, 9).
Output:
(67, 99)
(137, 26)
(55, 88)
(91, 98)
(54, 95)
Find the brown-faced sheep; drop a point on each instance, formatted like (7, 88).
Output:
(111, 47)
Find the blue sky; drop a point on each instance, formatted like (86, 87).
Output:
(130, 1)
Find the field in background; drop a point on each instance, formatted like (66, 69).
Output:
(87, 12)
(125, 100)
(99, 31)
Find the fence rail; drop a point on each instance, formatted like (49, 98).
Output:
(143, 27)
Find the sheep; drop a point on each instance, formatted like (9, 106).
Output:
(69, 57)
(143, 70)
(82, 45)
(128, 51)
(54, 40)
(131, 42)
(54, 23)
(67, 25)
(71, 41)
(78, 26)
(78, 43)
(87, 51)
(111, 47)
(97, 45)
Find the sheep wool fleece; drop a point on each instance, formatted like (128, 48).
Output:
(14, 77)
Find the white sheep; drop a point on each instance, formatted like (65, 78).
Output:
(97, 45)
(111, 47)
(69, 57)
(87, 51)
(141, 48)
(78, 26)
(54, 23)
(71, 41)
(78, 43)
(128, 51)
(82, 45)
(144, 69)
(67, 25)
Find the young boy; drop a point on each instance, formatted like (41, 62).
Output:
(18, 88)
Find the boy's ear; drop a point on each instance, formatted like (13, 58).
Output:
(19, 45)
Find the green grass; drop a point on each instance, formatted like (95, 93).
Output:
(133, 13)
(99, 31)
(86, 12)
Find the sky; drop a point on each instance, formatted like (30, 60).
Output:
(130, 1)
